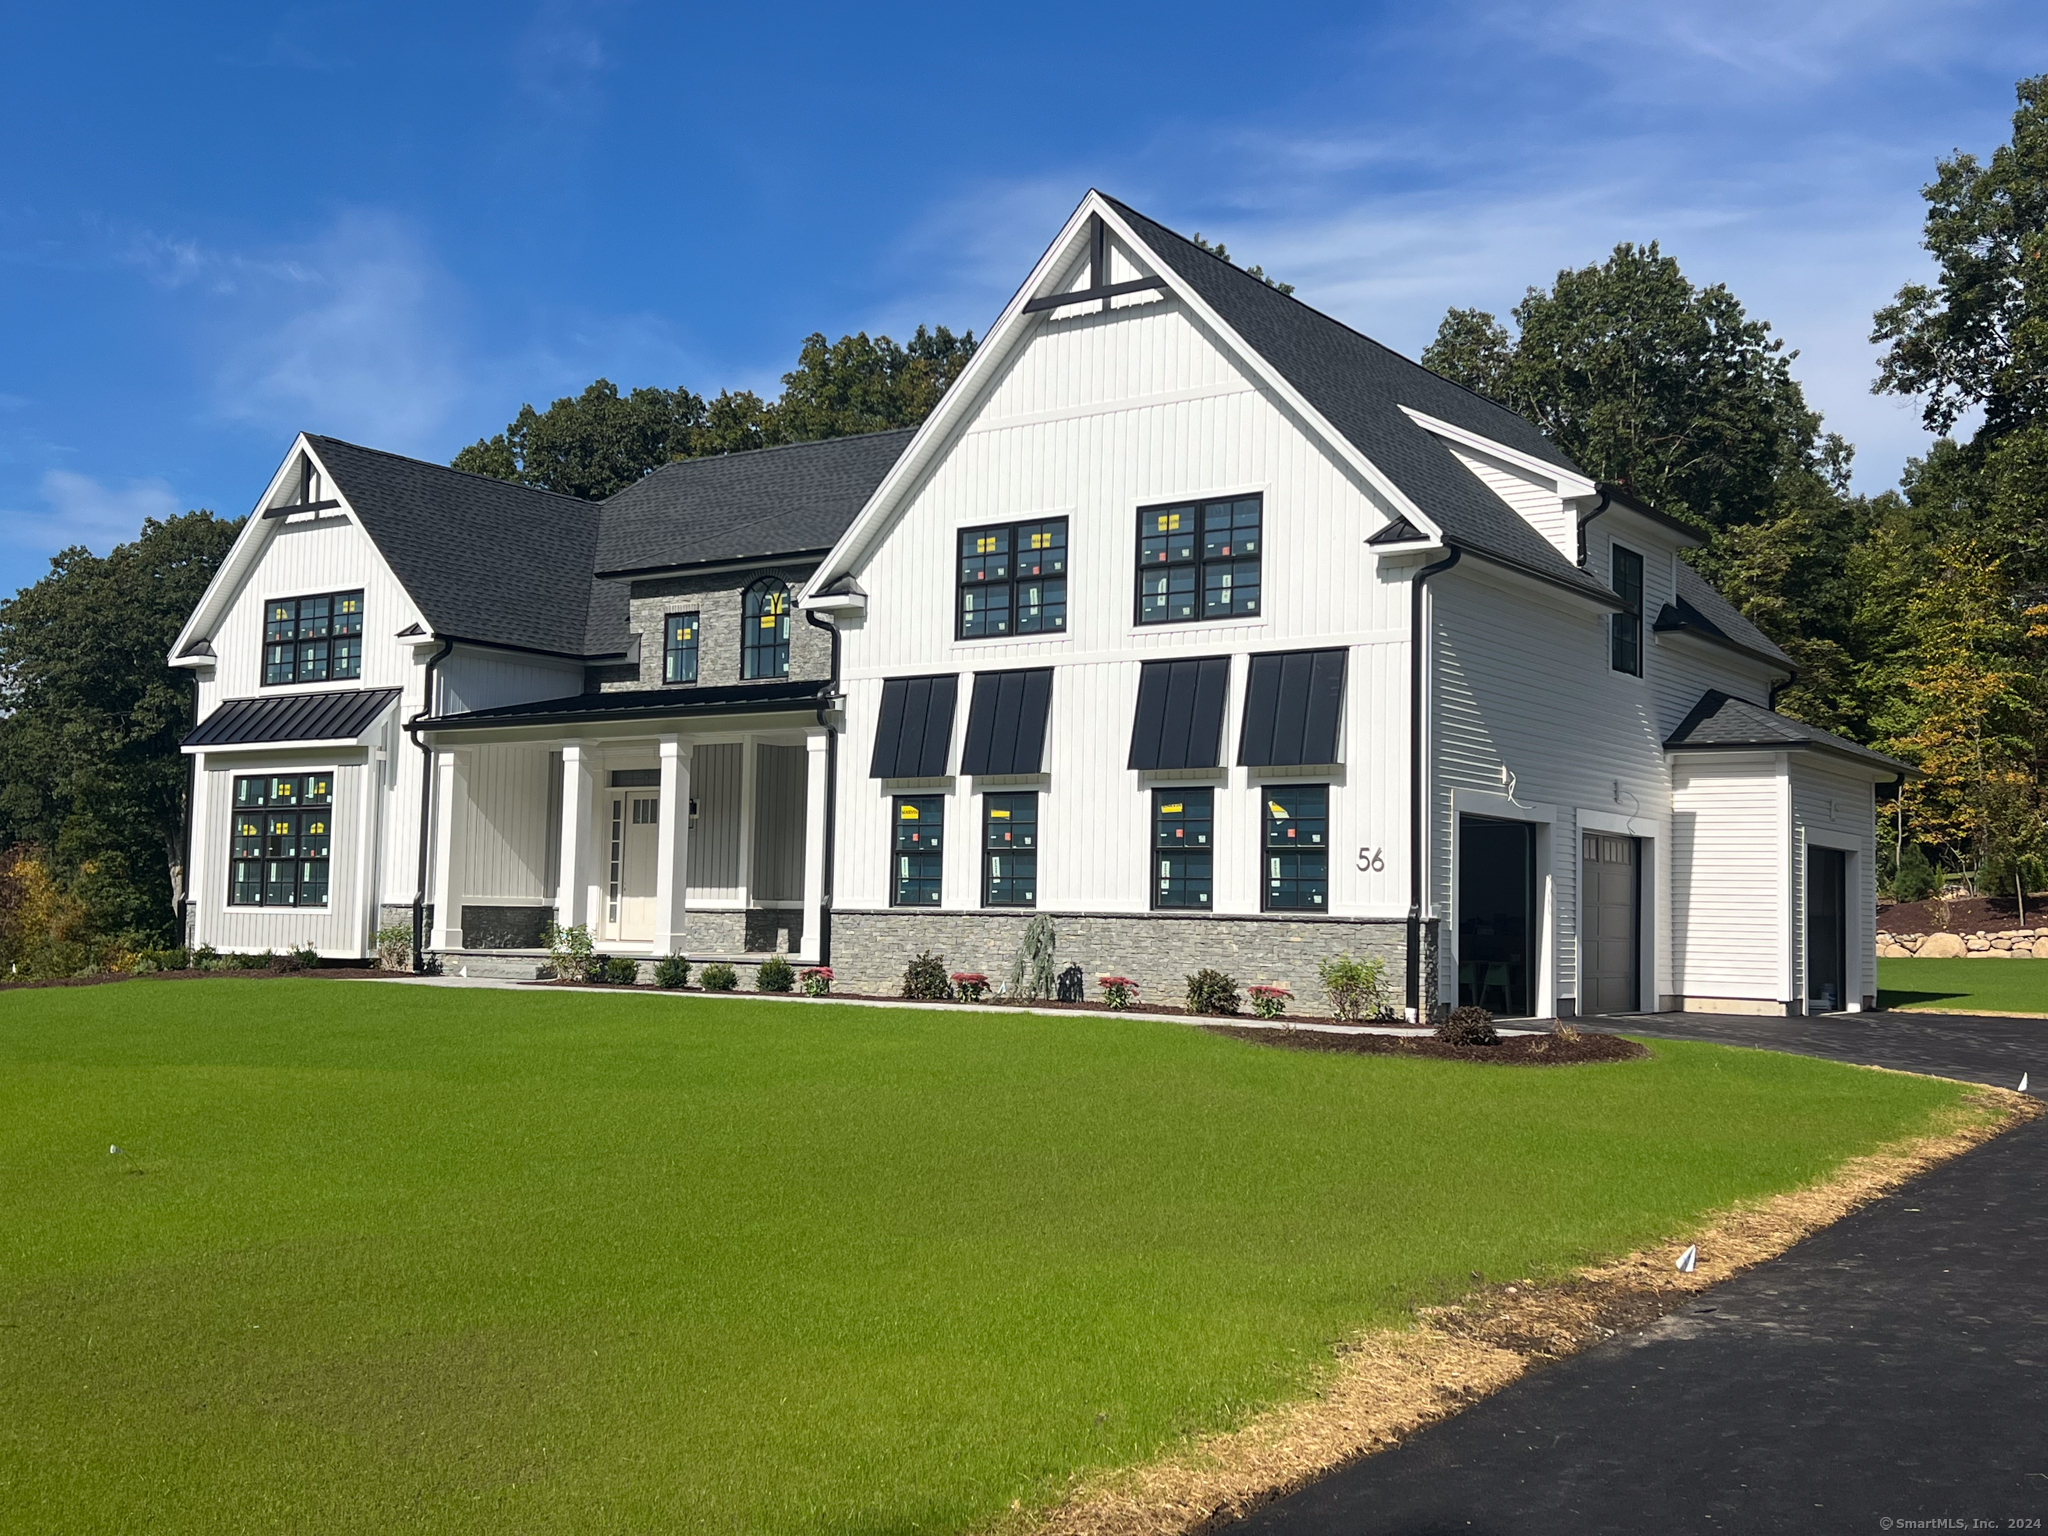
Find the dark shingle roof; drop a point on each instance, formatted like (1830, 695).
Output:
(745, 506)
(332, 715)
(485, 559)
(1700, 610)
(1360, 386)
(648, 703)
(1721, 723)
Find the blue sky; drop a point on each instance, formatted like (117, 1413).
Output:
(219, 225)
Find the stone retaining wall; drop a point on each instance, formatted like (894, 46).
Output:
(2005, 944)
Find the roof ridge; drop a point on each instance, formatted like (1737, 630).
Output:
(745, 453)
(1341, 325)
(448, 469)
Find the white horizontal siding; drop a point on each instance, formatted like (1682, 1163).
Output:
(1537, 501)
(469, 678)
(1838, 811)
(1730, 878)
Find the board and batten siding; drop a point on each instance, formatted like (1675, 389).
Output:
(341, 929)
(1094, 418)
(1730, 877)
(1837, 811)
(780, 785)
(513, 805)
(715, 835)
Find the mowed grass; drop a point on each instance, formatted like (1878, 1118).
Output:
(378, 1257)
(1964, 986)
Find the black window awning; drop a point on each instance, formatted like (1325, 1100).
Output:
(1180, 714)
(1006, 722)
(1292, 703)
(331, 715)
(915, 731)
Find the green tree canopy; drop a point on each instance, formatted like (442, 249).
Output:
(91, 716)
(1646, 381)
(600, 441)
(1979, 336)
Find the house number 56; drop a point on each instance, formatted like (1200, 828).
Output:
(1373, 859)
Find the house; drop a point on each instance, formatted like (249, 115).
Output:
(1191, 618)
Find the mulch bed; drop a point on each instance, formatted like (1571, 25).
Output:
(311, 973)
(1966, 914)
(1513, 1050)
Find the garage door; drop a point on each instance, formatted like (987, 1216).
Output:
(1608, 938)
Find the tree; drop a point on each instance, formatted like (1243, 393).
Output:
(1979, 336)
(599, 442)
(1222, 253)
(91, 716)
(1666, 389)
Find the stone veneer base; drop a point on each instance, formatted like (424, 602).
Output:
(1157, 950)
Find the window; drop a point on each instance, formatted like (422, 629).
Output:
(1297, 851)
(679, 649)
(920, 832)
(1625, 637)
(1009, 856)
(1199, 560)
(1181, 852)
(1013, 580)
(764, 650)
(283, 829)
(313, 639)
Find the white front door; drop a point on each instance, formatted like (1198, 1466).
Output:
(632, 822)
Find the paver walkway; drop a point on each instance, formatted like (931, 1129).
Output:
(1890, 1370)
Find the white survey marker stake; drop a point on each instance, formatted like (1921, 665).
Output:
(2023, 1082)
(1689, 1260)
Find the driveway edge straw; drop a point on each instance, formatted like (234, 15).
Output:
(1388, 1383)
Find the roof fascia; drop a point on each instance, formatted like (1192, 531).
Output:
(1887, 769)
(1567, 482)
(1664, 522)
(1014, 326)
(713, 567)
(1722, 642)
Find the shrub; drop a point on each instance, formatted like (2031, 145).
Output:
(1119, 992)
(816, 980)
(147, 960)
(300, 957)
(1357, 989)
(569, 951)
(1564, 1029)
(394, 947)
(1468, 1026)
(971, 985)
(1210, 991)
(1031, 974)
(1915, 880)
(1072, 988)
(925, 977)
(672, 971)
(719, 978)
(775, 975)
(1267, 1002)
(206, 958)
(263, 960)
(621, 972)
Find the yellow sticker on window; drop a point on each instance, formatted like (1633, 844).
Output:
(1170, 810)
(1279, 811)
(999, 815)
(907, 813)
(985, 545)
(1041, 541)
(768, 621)
(1169, 522)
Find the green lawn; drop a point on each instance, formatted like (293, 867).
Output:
(377, 1257)
(1962, 986)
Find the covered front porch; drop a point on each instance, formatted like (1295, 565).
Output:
(663, 826)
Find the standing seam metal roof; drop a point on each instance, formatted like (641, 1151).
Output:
(330, 715)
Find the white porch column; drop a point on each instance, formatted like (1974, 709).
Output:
(451, 806)
(672, 846)
(750, 769)
(572, 881)
(817, 746)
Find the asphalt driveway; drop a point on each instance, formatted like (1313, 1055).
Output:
(1889, 1373)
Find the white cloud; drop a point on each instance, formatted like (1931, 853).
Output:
(80, 510)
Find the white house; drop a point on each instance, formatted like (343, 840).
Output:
(1191, 619)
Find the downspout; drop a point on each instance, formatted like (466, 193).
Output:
(419, 895)
(1602, 507)
(831, 829)
(1417, 825)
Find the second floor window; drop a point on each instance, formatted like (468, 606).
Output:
(1012, 580)
(1625, 638)
(918, 852)
(1297, 851)
(1182, 852)
(313, 639)
(679, 649)
(764, 618)
(283, 833)
(1199, 560)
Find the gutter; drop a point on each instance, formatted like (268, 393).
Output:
(1588, 518)
(830, 831)
(419, 895)
(1417, 827)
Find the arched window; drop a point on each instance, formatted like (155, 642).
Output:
(764, 648)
